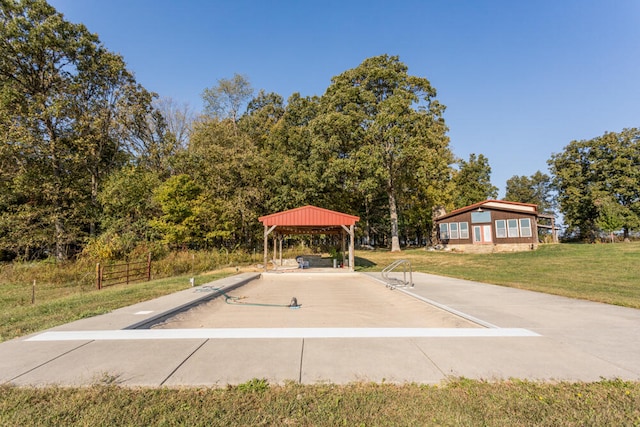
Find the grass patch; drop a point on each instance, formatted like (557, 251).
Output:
(460, 402)
(603, 272)
(56, 305)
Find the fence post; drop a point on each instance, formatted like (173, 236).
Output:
(149, 266)
(98, 276)
(127, 273)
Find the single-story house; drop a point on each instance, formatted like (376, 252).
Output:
(489, 226)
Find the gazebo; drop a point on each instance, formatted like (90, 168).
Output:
(309, 220)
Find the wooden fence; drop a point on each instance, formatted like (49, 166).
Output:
(115, 274)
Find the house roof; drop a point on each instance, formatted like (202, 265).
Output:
(309, 216)
(502, 205)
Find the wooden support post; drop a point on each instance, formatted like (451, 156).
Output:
(352, 240)
(275, 249)
(267, 231)
(352, 245)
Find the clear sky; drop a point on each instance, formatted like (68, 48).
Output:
(520, 79)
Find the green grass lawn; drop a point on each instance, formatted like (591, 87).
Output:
(56, 305)
(458, 403)
(607, 273)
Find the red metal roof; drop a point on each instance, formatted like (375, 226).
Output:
(309, 216)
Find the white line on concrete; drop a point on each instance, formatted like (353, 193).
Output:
(250, 333)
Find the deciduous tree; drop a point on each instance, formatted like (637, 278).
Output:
(377, 126)
(63, 103)
(535, 189)
(590, 171)
(473, 181)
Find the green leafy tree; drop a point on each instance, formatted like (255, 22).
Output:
(535, 189)
(377, 126)
(229, 166)
(611, 216)
(65, 106)
(188, 216)
(473, 181)
(292, 172)
(127, 204)
(589, 171)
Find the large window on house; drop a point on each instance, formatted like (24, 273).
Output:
(444, 231)
(453, 230)
(513, 228)
(525, 227)
(464, 230)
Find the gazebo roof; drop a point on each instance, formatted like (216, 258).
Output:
(309, 220)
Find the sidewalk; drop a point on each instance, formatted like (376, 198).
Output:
(526, 335)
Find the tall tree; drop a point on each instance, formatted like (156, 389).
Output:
(60, 120)
(229, 167)
(225, 100)
(376, 127)
(590, 174)
(535, 189)
(473, 181)
(292, 176)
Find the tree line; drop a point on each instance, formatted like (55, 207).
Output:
(90, 161)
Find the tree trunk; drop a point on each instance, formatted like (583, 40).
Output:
(94, 202)
(56, 169)
(393, 214)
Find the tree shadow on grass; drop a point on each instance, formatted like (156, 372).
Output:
(363, 262)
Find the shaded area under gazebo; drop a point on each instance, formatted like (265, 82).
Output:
(309, 220)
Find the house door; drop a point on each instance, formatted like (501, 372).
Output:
(482, 234)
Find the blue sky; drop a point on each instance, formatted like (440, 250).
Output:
(520, 79)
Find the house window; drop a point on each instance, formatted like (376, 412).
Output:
(444, 231)
(525, 227)
(453, 230)
(480, 216)
(501, 229)
(464, 230)
(512, 229)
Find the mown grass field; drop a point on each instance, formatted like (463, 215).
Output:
(607, 273)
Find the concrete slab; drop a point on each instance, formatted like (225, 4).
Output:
(131, 363)
(539, 359)
(235, 361)
(603, 331)
(393, 360)
(18, 358)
